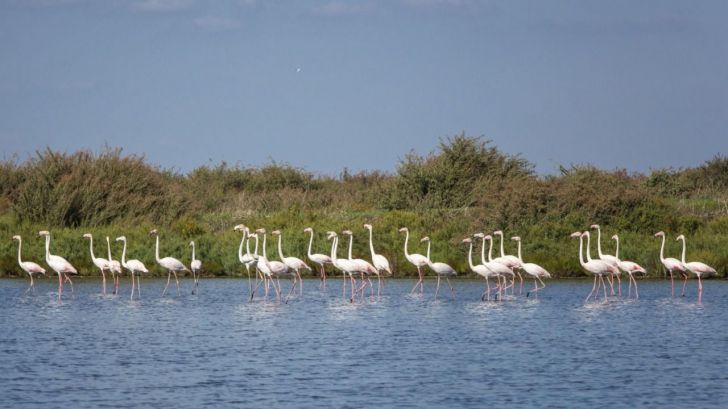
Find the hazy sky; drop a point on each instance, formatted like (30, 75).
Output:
(326, 84)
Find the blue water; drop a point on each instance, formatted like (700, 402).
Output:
(218, 350)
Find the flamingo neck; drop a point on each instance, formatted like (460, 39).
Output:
(371, 244)
(91, 247)
(48, 248)
(406, 240)
(599, 241)
(588, 244)
(616, 252)
(683, 250)
(240, 248)
(247, 243)
(503, 254)
(193, 251)
(662, 249)
(519, 251)
(20, 245)
(280, 247)
(470, 256)
(334, 244)
(310, 244)
(156, 250)
(482, 252)
(428, 252)
(123, 255)
(581, 253)
(490, 250)
(264, 244)
(256, 244)
(108, 247)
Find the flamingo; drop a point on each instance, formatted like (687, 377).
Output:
(28, 266)
(497, 267)
(294, 264)
(609, 259)
(380, 262)
(320, 259)
(345, 265)
(630, 268)
(101, 263)
(418, 260)
(134, 266)
(114, 267)
(671, 264)
(58, 264)
(171, 264)
(271, 269)
(480, 269)
(599, 268)
(512, 262)
(363, 267)
(247, 259)
(195, 266)
(440, 269)
(696, 267)
(534, 270)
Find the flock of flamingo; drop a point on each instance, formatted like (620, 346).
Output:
(503, 270)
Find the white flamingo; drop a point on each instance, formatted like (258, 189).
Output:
(114, 267)
(671, 264)
(481, 270)
(294, 264)
(609, 259)
(58, 264)
(271, 268)
(630, 268)
(320, 259)
(171, 264)
(195, 266)
(28, 266)
(364, 268)
(134, 266)
(598, 268)
(380, 262)
(512, 262)
(261, 266)
(346, 266)
(532, 269)
(100, 262)
(247, 259)
(418, 260)
(696, 267)
(440, 270)
(501, 270)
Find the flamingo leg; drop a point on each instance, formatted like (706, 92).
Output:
(520, 277)
(139, 287)
(169, 277)
(300, 285)
(293, 287)
(250, 283)
(103, 282)
(176, 281)
(67, 278)
(437, 289)
(419, 281)
(452, 290)
(700, 290)
(685, 283)
(672, 284)
(132, 286)
(636, 292)
(592, 290)
(31, 285)
(619, 284)
(60, 286)
(605, 289)
(379, 286)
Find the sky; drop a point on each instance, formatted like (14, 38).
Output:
(329, 84)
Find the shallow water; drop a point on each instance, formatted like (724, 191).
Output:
(217, 349)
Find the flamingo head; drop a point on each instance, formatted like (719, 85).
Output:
(87, 235)
(367, 226)
(44, 233)
(308, 230)
(516, 238)
(347, 232)
(276, 233)
(192, 243)
(680, 237)
(594, 226)
(403, 229)
(660, 234)
(330, 235)
(16, 237)
(479, 235)
(253, 235)
(260, 231)
(498, 233)
(467, 240)
(121, 238)
(576, 234)
(154, 232)
(615, 237)
(585, 234)
(239, 227)
(487, 237)
(426, 238)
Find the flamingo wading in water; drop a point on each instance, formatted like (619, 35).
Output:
(320, 259)
(696, 267)
(609, 259)
(100, 262)
(28, 266)
(418, 260)
(598, 268)
(630, 268)
(195, 266)
(534, 270)
(171, 264)
(58, 264)
(114, 267)
(671, 264)
(134, 266)
(440, 269)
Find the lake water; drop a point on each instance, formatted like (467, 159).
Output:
(218, 350)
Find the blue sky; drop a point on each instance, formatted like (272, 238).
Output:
(619, 84)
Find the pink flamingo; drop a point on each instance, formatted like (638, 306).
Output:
(294, 264)
(480, 270)
(101, 263)
(345, 265)
(58, 264)
(28, 266)
(696, 267)
(534, 270)
(630, 268)
(671, 264)
(440, 270)
(418, 260)
(318, 258)
(609, 259)
(134, 266)
(500, 269)
(598, 268)
(510, 261)
(171, 264)
(363, 267)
